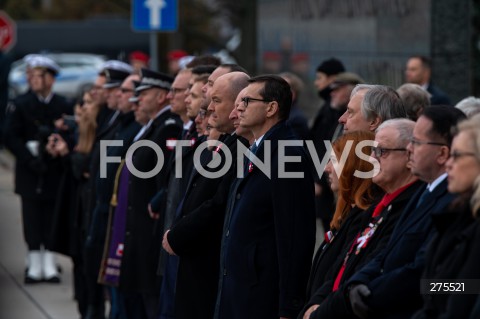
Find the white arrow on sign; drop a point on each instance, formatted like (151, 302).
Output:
(155, 6)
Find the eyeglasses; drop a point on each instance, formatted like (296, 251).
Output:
(126, 90)
(177, 90)
(456, 154)
(246, 100)
(380, 151)
(416, 142)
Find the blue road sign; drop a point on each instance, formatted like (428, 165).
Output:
(154, 15)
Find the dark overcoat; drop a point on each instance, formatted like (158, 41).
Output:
(452, 254)
(335, 304)
(142, 242)
(393, 276)
(33, 120)
(268, 237)
(195, 237)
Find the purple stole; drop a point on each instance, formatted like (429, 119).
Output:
(114, 251)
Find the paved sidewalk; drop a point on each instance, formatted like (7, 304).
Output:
(19, 301)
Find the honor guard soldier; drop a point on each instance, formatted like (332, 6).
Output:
(36, 173)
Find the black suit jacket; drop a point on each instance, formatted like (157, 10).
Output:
(438, 97)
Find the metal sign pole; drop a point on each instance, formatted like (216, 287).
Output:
(153, 51)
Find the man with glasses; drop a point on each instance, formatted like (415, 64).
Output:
(125, 131)
(195, 235)
(399, 184)
(389, 286)
(138, 273)
(269, 230)
(120, 126)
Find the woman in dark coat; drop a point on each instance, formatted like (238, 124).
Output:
(454, 252)
(68, 232)
(354, 195)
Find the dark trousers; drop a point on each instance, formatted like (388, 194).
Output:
(37, 222)
(140, 305)
(79, 285)
(92, 259)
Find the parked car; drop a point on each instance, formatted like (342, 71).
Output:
(77, 74)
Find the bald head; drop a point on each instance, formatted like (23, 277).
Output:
(223, 94)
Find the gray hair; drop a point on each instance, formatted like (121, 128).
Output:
(403, 126)
(469, 105)
(382, 101)
(414, 99)
(360, 87)
(471, 126)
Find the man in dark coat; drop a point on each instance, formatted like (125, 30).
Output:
(138, 279)
(392, 280)
(121, 127)
(419, 71)
(37, 174)
(269, 230)
(196, 234)
(395, 178)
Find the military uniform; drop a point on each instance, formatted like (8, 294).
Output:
(37, 174)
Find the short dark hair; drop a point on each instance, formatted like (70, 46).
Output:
(426, 61)
(204, 69)
(275, 89)
(444, 118)
(204, 60)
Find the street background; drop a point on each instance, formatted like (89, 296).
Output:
(19, 301)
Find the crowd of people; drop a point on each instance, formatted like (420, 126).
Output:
(123, 183)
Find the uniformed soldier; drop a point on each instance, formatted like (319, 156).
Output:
(37, 173)
(142, 243)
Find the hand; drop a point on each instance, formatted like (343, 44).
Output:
(37, 166)
(60, 124)
(166, 245)
(50, 147)
(60, 145)
(57, 146)
(318, 189)
(152, 214)
(310, 311)
(358, 293)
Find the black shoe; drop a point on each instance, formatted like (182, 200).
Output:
(95, 312)
(53, 280)
(31, 280)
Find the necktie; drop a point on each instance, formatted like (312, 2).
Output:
(254, 148)
(424, 195)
